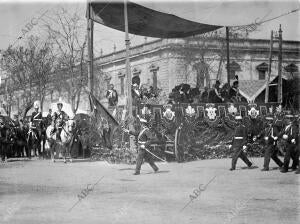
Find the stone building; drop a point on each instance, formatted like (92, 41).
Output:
(165, 63)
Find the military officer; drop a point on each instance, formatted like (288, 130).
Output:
(145, 138)
(290, 135)
(270, 145)
(36, 117)
(58, 119)
(239, 144)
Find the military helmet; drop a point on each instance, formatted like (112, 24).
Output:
(60, 102)
(36, 104)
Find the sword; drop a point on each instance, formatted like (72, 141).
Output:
(155, 155)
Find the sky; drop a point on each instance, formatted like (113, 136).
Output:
(14, 15)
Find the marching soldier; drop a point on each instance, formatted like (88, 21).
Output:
(271, 150)
(290, 135)
(239, 144)
(58, 119)
(145, 138)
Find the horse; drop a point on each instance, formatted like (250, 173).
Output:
(68, 135)
(20, 141)
(34, 139)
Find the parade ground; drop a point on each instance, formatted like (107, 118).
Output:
(39, 191)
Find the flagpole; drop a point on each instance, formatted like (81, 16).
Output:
(227, 54)
(90, 31)
(269, 69)
(128, 75)
(279, 96)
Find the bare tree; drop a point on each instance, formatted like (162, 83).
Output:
(65, 32)
(29, 69)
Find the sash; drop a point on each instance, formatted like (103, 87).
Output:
(141, 133)
(35, 116)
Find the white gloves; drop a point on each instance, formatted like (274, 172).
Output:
(285, 137)
(293, 141)
(275, 138)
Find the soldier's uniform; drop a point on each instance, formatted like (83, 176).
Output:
(270, 145)
(290, 135)
(145, 138)
(238, 143)
(36, 119)
(59, 118)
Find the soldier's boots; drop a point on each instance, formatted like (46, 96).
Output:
(265, 169)
(154, 168)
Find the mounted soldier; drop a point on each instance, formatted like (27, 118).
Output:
(59, 119)
(35, 128)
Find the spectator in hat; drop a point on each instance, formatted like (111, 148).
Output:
(112, 96)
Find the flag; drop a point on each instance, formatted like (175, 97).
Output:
(101, 116)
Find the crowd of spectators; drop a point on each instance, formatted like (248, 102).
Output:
(183, 93)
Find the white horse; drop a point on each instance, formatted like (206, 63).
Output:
(64, 143)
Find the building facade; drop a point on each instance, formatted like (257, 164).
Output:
(165, 63)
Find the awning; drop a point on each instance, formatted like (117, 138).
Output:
(165, 19)
(145, 21)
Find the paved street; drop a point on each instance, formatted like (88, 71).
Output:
(43, 192)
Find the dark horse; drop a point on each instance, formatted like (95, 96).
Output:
(34, 137)
(20, 141)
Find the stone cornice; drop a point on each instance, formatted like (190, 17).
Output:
(242, 45)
